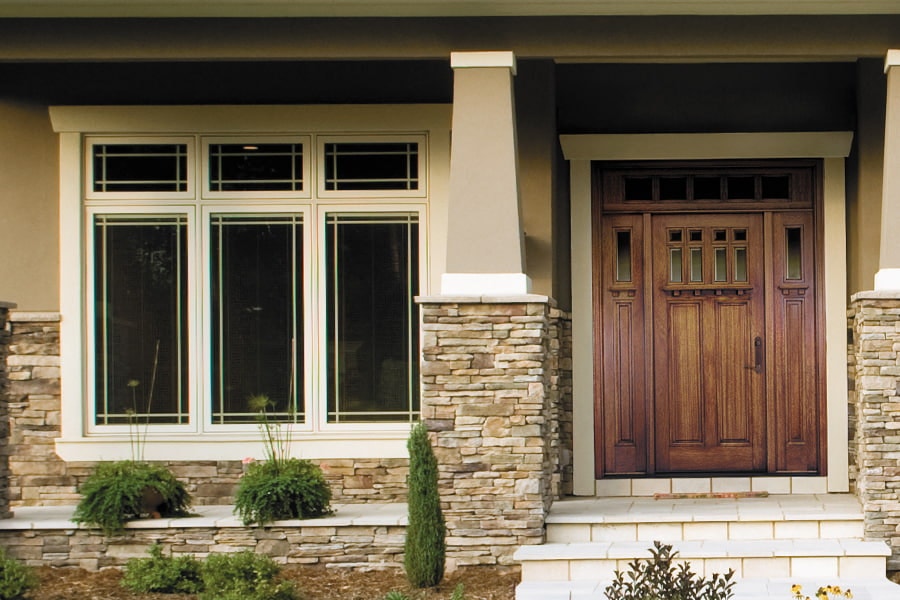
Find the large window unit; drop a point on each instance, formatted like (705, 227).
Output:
(240, 271)
(215, 265)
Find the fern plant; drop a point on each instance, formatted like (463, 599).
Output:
(659, 579)
(115, 493)
(287, 489)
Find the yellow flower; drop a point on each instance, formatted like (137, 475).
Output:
(848, 594)
(796, 589)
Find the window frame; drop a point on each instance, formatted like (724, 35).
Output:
(324, 194)
(75, 125)
(91, 140)
(309, 155)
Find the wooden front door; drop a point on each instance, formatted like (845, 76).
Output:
(709, 343)
(708, 320)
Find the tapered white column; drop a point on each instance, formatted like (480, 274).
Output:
(485, 249)
(888, 276)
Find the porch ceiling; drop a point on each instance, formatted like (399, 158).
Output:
(427, 8)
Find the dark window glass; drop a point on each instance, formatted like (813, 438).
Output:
(140, 325)
(776, 187)
(673, 188)
(257, 315)
(255, 167)
(741, 188)
(707, 188)
(372, 266)
(371, 166)
(638, 188)
(623, 256)
(794, 253)
(140, 168)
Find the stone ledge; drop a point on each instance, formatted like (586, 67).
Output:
(515, 299)
(7, 305)
(34, 317)
(218, 516)
(876, 295)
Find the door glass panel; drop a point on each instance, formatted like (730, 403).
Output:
(696, 264)
(675, 265)
(707, 188)
(741, 188)
(673, 188)
(695, 235)
(776, 187)
(740, 264)
(638, 188)
(740, 235)
(623, 256)
(720, 235)
(794, 253)
(674, 235)
(721, 264)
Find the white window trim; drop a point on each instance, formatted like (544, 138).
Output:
(74, 124)
(308, 160)
(420, 192)
(91, 141)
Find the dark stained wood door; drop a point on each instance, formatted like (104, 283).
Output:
(709, 343)
(708, 319)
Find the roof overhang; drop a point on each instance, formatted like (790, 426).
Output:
(434, 8)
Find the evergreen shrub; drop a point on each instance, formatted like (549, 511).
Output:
(425, 546)
(163, 574)
(15, 578)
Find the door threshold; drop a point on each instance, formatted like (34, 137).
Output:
(642, 487)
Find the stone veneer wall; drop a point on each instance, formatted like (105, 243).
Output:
(360, 547)
(39, 477)
(495, 395)
(875, 441)
(4, 411)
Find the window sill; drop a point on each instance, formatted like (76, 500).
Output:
(388, 444)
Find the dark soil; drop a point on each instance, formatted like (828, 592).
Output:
(313, 583)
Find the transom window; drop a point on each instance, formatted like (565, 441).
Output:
(248, 282)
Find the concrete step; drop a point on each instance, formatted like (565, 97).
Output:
(785, 517)
(745, 589)
(822, 558)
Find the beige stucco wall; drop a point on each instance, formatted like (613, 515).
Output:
(536, 117)
(864, 178)
(29, 222)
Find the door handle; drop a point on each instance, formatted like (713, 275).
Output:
(757, 355)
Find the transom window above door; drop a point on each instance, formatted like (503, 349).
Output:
(727, 186)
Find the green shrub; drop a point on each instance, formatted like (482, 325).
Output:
(395, 595)
(163, 574)
(425, 545)
(659, 579)
(115, 493)
(459, 592)
(282, 489)
(243, 576)
(15, 578)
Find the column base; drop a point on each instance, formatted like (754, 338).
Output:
(485, 284)
(887, 280)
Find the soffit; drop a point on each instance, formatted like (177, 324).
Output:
(432, 8)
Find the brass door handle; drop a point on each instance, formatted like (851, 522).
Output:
(757, 355)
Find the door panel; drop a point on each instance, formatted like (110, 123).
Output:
(709, 309)
(622, 428)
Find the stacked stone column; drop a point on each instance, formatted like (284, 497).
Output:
(493, 391)
(875, 430)
(4, 410)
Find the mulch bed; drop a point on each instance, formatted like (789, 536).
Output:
(313, 583)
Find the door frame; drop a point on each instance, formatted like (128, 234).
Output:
(833, 147)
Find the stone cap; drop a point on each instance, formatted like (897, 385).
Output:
(7, 304)
(515, 299)
(876, 295)
(35, 317)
